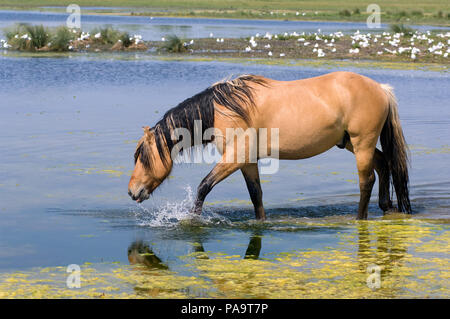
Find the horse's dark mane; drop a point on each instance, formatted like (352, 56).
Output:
(235, 95)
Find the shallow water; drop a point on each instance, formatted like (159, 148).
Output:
(157, 27)
(69, 128)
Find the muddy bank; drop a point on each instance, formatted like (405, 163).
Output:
(384, 47)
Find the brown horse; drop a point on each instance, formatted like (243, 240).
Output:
(312, 115)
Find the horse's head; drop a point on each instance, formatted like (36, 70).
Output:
(149, 170)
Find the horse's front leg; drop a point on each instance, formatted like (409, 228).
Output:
(218, 173)
(251, 175)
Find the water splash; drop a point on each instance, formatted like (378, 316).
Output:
(175, 214)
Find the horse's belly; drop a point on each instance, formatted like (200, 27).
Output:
(298, 144)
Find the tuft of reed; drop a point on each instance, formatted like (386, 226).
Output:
(174, 44)
(401, 28)
(125, 38)
(345, 13)
(107, 35)
(25, 37)
(61, 39)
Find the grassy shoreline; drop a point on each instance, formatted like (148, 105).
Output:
(435, 12)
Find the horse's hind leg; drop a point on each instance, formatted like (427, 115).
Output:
(364, 153)
(251, 175)
(382, 169)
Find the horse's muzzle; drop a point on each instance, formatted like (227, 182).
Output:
(141, 195)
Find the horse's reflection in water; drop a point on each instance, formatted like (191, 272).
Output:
(381, 247)
(252, 252)
(140, 253)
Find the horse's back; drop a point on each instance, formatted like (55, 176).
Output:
(313, 114)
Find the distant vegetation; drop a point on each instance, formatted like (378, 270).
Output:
(400, 11)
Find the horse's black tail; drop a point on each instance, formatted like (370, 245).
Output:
(395, 150)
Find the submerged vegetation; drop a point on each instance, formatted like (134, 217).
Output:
(410, 256)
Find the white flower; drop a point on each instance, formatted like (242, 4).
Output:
(355, 50)
(333, 50)
(282, 54)
(97, 35)
(267, 46)
(270, 53)
(248, 49)
(320, 53)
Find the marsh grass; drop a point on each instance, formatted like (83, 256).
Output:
(173, 44)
